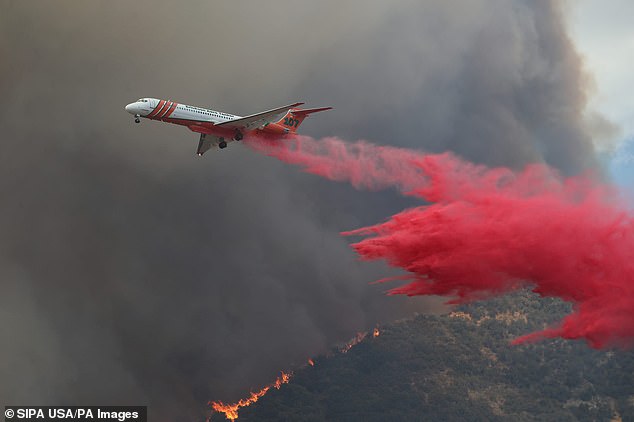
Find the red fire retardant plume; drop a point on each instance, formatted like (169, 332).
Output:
(491, 231)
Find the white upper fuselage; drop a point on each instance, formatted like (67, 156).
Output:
(146, 107)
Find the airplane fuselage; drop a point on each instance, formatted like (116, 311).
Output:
(197, 119)
(217, 128)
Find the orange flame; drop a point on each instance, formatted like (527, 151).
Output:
(282, 379)
(231, 410)
(356, 340)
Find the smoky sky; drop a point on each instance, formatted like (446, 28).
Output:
(134, 272)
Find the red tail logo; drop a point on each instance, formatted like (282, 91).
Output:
(292, 119)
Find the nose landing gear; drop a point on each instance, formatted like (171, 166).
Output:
(137, 119)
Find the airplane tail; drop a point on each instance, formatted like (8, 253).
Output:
(295, 116)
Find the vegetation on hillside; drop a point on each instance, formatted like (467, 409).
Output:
(460, 366)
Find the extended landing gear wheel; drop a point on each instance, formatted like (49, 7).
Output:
(238, 136)
(136, 118)
(222, 145)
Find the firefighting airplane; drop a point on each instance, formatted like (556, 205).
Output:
(217, 128)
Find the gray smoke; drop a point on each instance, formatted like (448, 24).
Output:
(133, 272)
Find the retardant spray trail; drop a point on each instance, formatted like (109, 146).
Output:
(490, 231)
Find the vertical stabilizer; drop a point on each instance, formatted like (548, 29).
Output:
(295, 116)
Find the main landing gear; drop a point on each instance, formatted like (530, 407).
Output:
(222, 144)
(137, 119)
(238, 136)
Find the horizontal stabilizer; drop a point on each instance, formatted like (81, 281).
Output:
(296, 116)
(311, 110)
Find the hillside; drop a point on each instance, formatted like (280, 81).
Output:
(460, 367)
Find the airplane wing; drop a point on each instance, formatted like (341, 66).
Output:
(207, 142)
(258, 119)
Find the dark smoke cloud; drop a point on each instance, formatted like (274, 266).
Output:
(133, 272)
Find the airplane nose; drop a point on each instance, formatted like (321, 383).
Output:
(130, 108)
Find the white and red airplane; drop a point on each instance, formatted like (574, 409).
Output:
(217, 128)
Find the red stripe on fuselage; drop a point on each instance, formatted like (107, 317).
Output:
(166, 108)
(158, 108)
(170, 111)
